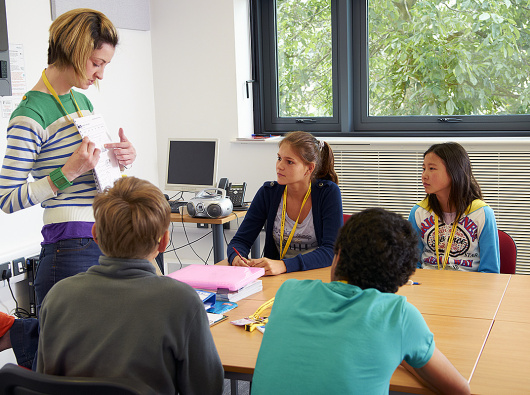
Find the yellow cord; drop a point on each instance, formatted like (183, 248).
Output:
(257, 316)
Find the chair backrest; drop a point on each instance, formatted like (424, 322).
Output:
(17, 380)
(508, 253)
(345, 217)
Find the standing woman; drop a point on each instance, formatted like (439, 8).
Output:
(302, 210)
(457, 229)
(42, 141)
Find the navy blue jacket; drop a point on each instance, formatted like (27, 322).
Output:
(327, 220)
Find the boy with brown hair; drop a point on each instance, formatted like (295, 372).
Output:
(119, 319)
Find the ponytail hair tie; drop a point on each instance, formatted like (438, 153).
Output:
(320, 144)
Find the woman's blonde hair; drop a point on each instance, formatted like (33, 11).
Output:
(131, 217)
(75, 34)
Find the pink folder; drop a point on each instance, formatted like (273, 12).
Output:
(217, 277)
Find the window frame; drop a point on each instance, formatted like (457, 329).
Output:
(350, 82)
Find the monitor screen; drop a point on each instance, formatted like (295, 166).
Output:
(191, 164)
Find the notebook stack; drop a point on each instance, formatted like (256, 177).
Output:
(247, 290)
(230, 283)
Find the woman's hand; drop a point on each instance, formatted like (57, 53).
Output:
(237, 261)
(83, 159)
(124, 150)
(271, 266)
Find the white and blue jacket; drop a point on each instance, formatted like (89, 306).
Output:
(475, 245)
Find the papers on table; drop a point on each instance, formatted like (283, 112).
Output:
(215, 318)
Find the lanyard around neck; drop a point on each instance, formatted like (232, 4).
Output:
(449, 242)
(284, 210)
(54, 94)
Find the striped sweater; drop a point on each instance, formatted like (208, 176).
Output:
(40, 139)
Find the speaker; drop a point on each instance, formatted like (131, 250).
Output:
(210, 203)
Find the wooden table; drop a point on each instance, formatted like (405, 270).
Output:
(459, 308)
(504, 365)
(459, 294)
(272, 283)
(515, 303)
(217, 231)
(505, 361)
(459, 338)
(441, 292)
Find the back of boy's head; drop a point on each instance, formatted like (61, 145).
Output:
(131, 217)
(378, 249)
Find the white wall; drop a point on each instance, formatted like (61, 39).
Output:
(201, 61)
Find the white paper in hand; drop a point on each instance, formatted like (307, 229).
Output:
(107, 170)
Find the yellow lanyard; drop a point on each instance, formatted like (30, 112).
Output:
(52, 91)
(284, 210)
(449, 242)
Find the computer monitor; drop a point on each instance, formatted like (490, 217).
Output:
(191, 164)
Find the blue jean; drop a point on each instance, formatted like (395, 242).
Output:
(61, 260)
(24, 336)
(57, 261)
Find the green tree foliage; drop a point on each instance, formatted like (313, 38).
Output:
(449, 57)
(304, 58)
(433, 57)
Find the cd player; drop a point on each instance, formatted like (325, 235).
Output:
(210, 203)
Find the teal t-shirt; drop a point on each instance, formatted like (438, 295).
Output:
(336, 338)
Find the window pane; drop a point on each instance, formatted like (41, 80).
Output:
(449, 57)
(304, 55)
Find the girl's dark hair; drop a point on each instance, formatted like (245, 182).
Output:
(312, 150)
(464, 187)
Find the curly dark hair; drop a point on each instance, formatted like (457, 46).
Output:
(378, 249)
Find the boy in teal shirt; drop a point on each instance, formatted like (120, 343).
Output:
(350, 335)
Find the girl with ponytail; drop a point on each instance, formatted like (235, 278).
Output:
(302, 210)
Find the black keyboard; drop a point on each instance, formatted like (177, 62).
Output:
(175, 204)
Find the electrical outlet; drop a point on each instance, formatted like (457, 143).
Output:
(19, 266)
(4, 268)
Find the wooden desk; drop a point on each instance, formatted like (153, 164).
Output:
(271, 284)
(459, 294)
(504, 364)
(238, 348)
(459, 336)
(217, 230)
(514, 306)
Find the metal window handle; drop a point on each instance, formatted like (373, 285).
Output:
(305, 120)
(450, 120)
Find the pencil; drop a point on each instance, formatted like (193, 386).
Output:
(239, 255)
